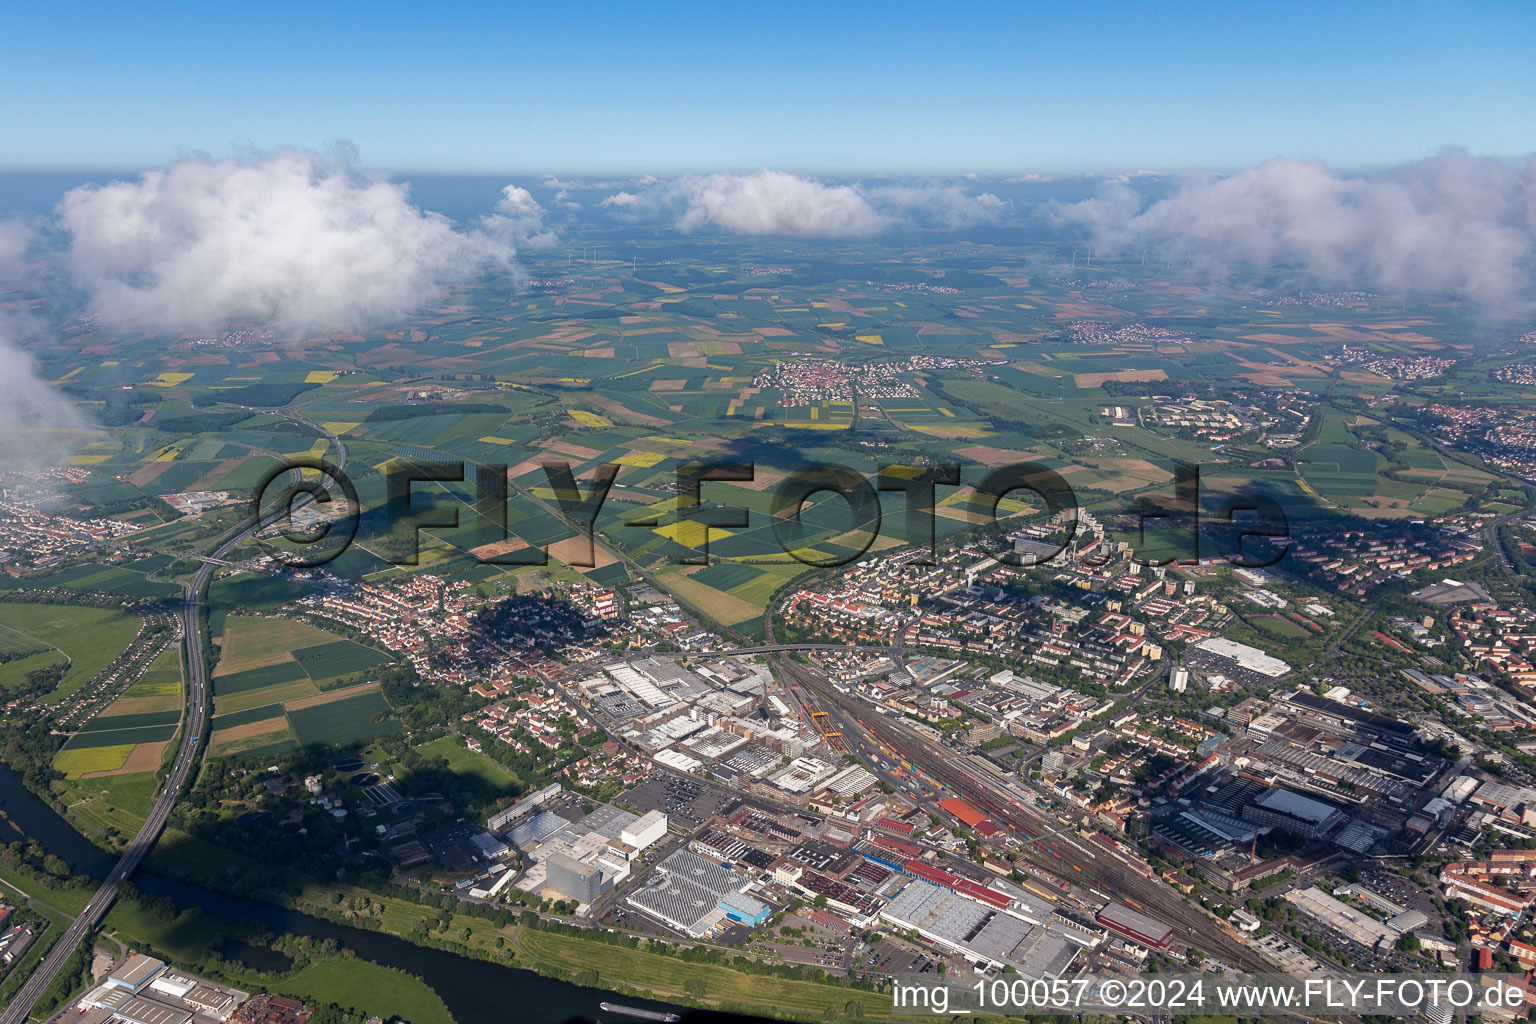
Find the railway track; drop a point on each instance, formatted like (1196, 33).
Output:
(1079, 865)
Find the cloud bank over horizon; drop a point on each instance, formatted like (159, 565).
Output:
(769, 202)
(1455, 224)
(288, 238)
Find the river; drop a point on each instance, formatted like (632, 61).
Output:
(475, 991)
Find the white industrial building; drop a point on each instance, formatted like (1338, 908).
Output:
(584, 859)
(142, 990)
(645, 830)
(983, 935)
(802, 774)
(1343, 918)
(1250, 658)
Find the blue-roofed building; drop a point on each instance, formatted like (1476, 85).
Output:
(750, 911)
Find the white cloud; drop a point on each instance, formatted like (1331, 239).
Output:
(286, 238)
(519, 219)
(1453, 224)
(517, 201)
(33, 416)
(16, 238)
(945, 206)
(775, 203)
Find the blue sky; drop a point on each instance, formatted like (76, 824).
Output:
(819, 88)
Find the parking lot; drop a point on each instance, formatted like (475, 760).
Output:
(686, 804)
(890, 957)
(1286, 953)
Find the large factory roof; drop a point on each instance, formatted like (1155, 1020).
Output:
(1359, 716)
(1293, 804)
(1250, 658)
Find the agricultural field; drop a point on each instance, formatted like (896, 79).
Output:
(162, 679)
(273, 670)
(267, 730)
(129, 581)
(131, 734)
(332, 718)
(157, 690)
(36, 636)
(341, 717)
(249, 642)
(119, 800)
(266, 660)
(1008, 351)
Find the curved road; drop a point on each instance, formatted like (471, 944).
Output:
(196, 722)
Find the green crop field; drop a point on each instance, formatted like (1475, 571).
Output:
(343, 721)
(339, 658)
(87, 638)
(76, 761)
(263, 713)
(132, 793)
(133, 721)
(118, 737)
(258, 678)
(161, 679)
(252, 642)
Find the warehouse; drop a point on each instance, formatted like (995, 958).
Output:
(964, 811)
(803, 774)
(135, 972)
(1342, 918)
(979, 933)
(1250, 659)
(1339, 714)
(1122, 919)
(537, 829)
(645, 830)
(581, 881)
(850, 782)
(684, 892)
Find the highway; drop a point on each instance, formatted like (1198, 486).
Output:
(196, 723)
(195, 729)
